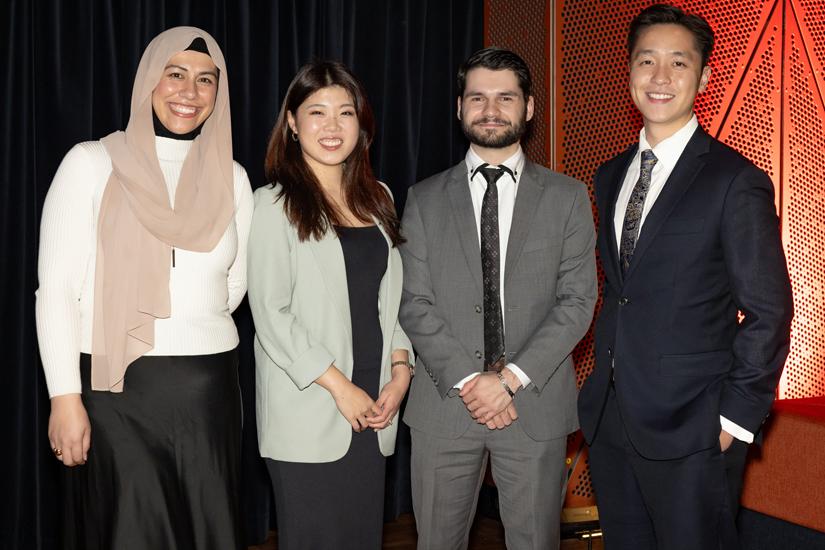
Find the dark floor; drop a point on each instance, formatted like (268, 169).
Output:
(487, 534)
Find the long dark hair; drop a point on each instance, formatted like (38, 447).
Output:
(307, 208)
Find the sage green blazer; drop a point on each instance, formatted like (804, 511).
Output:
(300, 304)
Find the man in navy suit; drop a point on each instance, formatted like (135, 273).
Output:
(688, 238)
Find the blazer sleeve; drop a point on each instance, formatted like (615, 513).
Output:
(567, 321)
(761, 290)
(401, 341)
(444, 357)
(272, 274)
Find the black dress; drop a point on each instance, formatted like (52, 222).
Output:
(340, 505)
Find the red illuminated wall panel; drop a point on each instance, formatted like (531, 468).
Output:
(803, 193)
(522, 27)
(764, 99)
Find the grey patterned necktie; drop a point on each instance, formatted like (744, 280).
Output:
(635, 207)
(490, 268)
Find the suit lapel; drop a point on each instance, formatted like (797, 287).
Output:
(330, 258)
(458, 189)
(614, 178)
(680, 180)
(527, 199)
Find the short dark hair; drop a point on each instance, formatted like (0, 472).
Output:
(665, 14)
(496, 59)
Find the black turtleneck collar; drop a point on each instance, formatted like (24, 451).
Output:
(163, 131)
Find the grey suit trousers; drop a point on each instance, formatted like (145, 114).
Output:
(447, 474)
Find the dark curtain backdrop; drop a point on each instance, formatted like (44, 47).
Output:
(67, 77)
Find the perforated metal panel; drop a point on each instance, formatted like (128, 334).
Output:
(764, 99)
(750, 120)
(523, 28)
(768, 109)
(737, 25)
(803, 194)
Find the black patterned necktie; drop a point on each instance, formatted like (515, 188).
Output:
(491, 269)
(635, 207)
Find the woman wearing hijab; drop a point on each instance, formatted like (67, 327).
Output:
(325, 282)
(142, 260)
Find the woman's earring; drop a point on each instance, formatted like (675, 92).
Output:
(294, 136)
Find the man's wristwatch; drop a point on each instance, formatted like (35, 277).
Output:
(503, 381)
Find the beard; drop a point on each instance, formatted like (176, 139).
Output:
(513, 131)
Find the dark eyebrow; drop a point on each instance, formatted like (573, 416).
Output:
(184, 69)
(506, 93)
(350, 105)
(678, 53)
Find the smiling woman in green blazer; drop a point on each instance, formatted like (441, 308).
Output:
(325, 278)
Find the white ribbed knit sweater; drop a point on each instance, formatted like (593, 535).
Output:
(205, 287)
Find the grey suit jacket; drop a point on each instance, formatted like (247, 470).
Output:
(549, 294)
(300, 304)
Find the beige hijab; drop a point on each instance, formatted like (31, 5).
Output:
(137, 227)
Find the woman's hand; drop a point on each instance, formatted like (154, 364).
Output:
(69, 429)
(356, 406)
(353, 403)
(391, 396)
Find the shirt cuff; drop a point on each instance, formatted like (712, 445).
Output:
(736, 430)
(523, 378)
(466, 379)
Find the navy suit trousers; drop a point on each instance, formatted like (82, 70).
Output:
(688, 503)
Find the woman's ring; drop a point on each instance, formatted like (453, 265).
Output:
(57, 452)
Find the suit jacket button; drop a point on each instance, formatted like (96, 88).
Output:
(610, 352)
(478, 354)
(478, 309)
(623, 301)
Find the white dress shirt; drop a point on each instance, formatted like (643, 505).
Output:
(667, 154)
(507, 187)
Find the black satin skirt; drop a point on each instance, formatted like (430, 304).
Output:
(163, 467)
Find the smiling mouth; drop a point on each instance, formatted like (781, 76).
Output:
(331, 144)
(660, 96)
(186, 111)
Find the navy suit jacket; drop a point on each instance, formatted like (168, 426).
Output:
(709, 248)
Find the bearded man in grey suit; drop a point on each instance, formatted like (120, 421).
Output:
(499, 287)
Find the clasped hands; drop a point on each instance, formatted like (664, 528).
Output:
(488, 402)
(357, 406)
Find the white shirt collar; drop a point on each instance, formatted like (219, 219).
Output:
(515, 163)
(669, 150)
